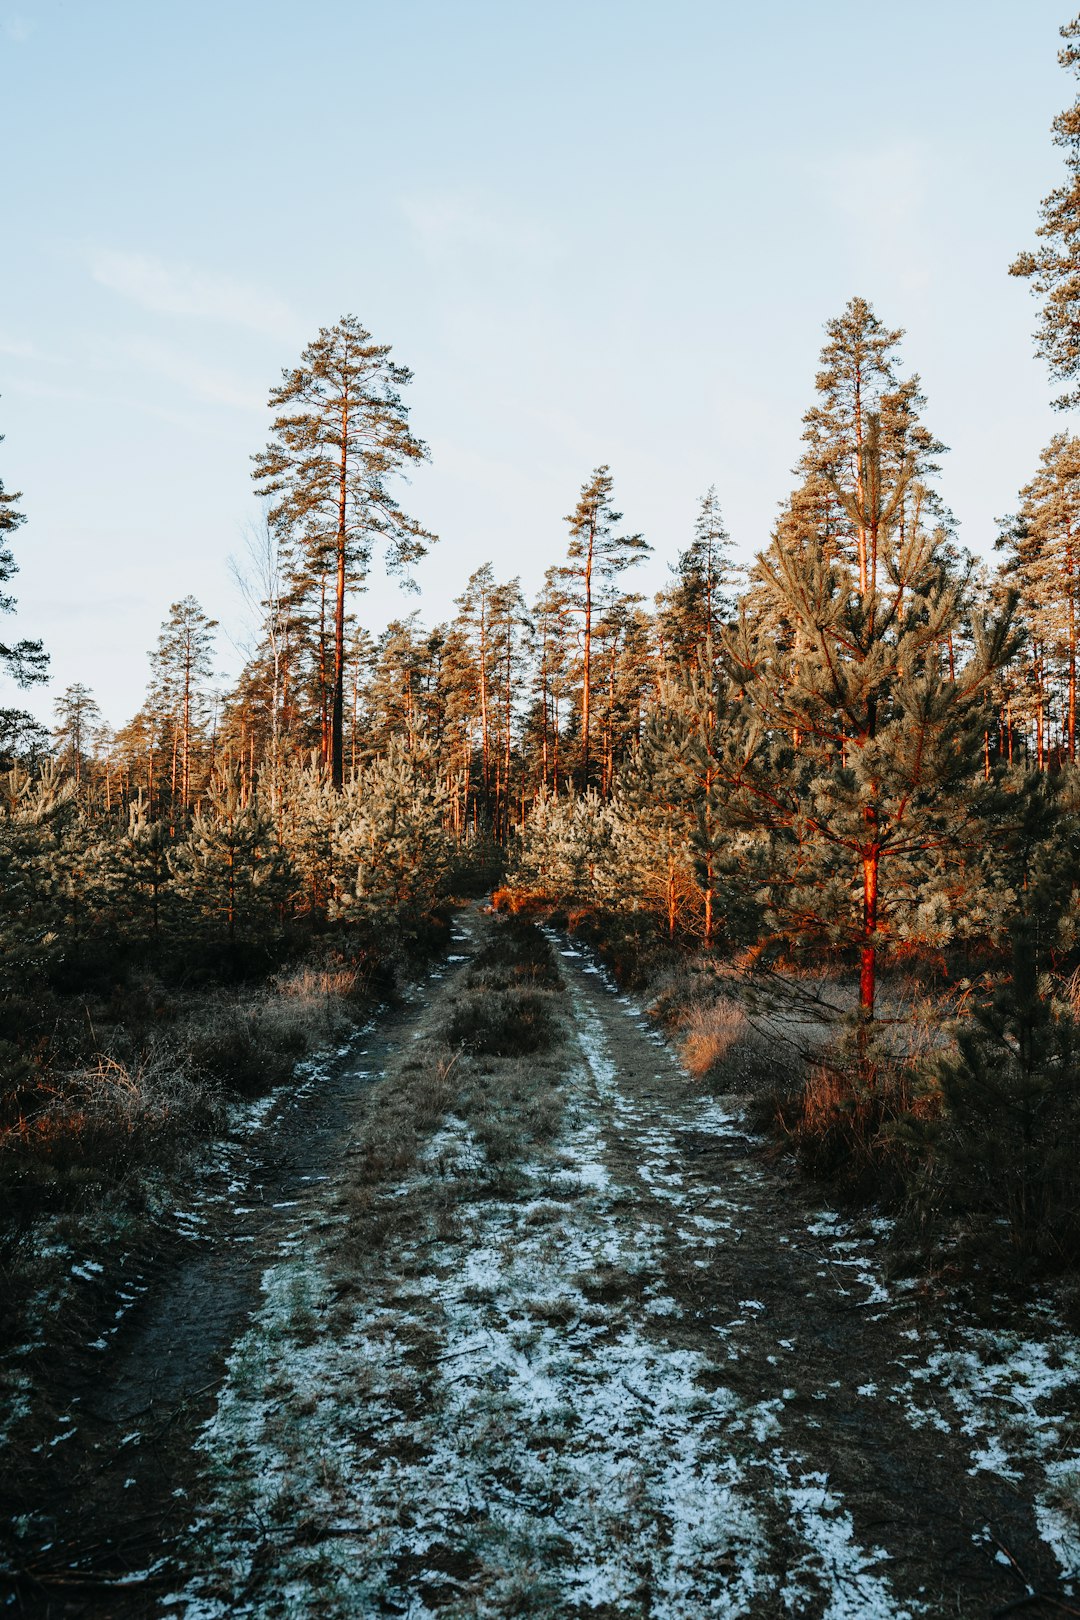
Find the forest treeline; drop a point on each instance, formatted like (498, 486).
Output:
(864, 742)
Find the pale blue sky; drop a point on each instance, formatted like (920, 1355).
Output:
(597, 232)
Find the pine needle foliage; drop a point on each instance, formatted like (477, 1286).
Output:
(25, 662)
(864, 746)
(1053, 269)
(341, 434)
(1004, 1144)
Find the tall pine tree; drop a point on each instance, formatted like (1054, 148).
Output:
(861, 767)
(341, 434)
(596, 556)
(1054, 268)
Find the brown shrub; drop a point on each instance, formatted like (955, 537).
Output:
(502, 1023)
(847, 1123)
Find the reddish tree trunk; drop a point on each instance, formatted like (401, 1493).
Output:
(868, 959)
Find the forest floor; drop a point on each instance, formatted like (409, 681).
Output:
(459, 1333)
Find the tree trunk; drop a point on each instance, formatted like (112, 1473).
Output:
(860, 490)
(546, 721)
(868, 955)
(337, 711)
(507, 738)
(185, 775)
(485, 766)
(1072, 678)
(671, 907)
(324, 703)
(586, 669)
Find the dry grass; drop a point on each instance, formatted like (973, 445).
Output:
(707, 1035)
(314, 985)
(493, 1064)
(95, 1139)
(850, 1120)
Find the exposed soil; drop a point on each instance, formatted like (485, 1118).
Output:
(619, 1364)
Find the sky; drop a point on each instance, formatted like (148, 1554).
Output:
(597, 232)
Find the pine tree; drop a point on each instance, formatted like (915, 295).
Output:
(78, 716)
(858, 384)
(700, 601)
(308, 816)
(681, 784)
(549, 646)
(625, 675)
(23, 740)
(342, 434)
(362, 655)
(143, 875)
(181, 665)
(1054, 268)
(36, 817)
(457, 698)
(508, 622)
(596, 556)
(392, 853)
(25, 662)
(396, 692)
(577, 849)
(229, 869)
(1004, 1140)
(474, 619)
(861, 767)
(656, 794)
(1043, 542)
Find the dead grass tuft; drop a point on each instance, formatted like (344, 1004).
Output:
(708, 1035)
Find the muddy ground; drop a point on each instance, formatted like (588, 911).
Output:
(462, 1331)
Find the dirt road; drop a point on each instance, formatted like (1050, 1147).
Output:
(613, 1364)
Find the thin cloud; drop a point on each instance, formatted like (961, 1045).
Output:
(194, 421)
(208, 382)
(451, 226)
(17, 28)
(181, 289)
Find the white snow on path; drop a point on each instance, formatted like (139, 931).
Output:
(504, 1429)
(1012, 1392)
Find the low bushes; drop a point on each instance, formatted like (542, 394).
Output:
(128, 1089)
(505, 1007)
(501, 1023)
(1001, 1147)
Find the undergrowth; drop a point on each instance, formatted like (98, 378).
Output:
(101, 1117)
(959, 1112)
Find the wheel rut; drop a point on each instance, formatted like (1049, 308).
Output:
(108, 1510)
(794, 1305)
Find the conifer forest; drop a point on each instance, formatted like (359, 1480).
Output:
(569, 1105)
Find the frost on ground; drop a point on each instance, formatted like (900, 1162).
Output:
(509, 1408)
(495, 1431)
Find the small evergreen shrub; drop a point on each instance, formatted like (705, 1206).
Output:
(846, 1120)
(1001, 1150)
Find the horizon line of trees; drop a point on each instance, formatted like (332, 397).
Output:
(816, 751)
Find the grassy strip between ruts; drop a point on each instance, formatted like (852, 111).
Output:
(492, 1062)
